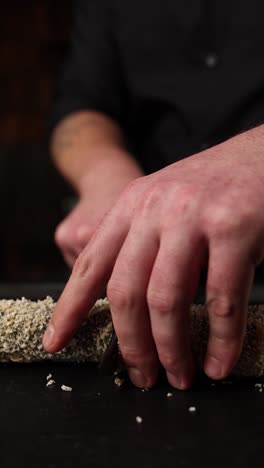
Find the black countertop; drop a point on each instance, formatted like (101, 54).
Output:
(95, 425)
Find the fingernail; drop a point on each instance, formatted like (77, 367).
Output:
(48, 336)
(213, 368)
(136, 377)
(179, 382)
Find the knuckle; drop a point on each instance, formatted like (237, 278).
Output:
(83, 236)
(82, 265)
(226, 223)
(129, 197)
(220, 342)
(151, 197)
(132, 188)
(161, 302)
(60, 236)
(186, 197)
(221, 224)
(227, 333)
(132, 356)
(221, 307)
(120, 297)
(171, 362)
(134, 184)
(225, 338)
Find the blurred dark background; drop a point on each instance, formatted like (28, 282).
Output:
(34, 37)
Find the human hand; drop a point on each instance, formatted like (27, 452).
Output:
(149, 249)
(99, 191)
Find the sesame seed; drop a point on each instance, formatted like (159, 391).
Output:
(119, 382)
(192, 409)
(65, 388)
(50, 382)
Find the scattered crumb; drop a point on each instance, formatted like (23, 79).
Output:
(169, 395)
(65, 388)
(213, 384)
(139, 419)
(119, 382)
(192, 409)
(50, 382)
(259, 387)
(99, 394)
(49, 377)
(227, 382)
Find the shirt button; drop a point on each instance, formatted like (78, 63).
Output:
(211, 60)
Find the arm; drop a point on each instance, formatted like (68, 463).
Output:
(89, 150)
(204, 210)
(87, 143)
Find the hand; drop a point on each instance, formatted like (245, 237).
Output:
(100, 190)
(206, 209)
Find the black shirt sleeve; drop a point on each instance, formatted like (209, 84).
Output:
(91, 77)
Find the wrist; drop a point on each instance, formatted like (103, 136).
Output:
(253, 137)
(87, 145)
(109, 163)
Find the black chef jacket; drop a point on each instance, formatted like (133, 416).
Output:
(177, 75)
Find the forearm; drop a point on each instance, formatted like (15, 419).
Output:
(88, 141)
(240, 142)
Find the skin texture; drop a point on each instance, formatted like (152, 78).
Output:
(102, 189)
(149, 249)
(89, 150)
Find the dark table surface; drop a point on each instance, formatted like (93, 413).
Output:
(95, 425)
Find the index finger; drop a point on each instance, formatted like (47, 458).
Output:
(89, 277)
